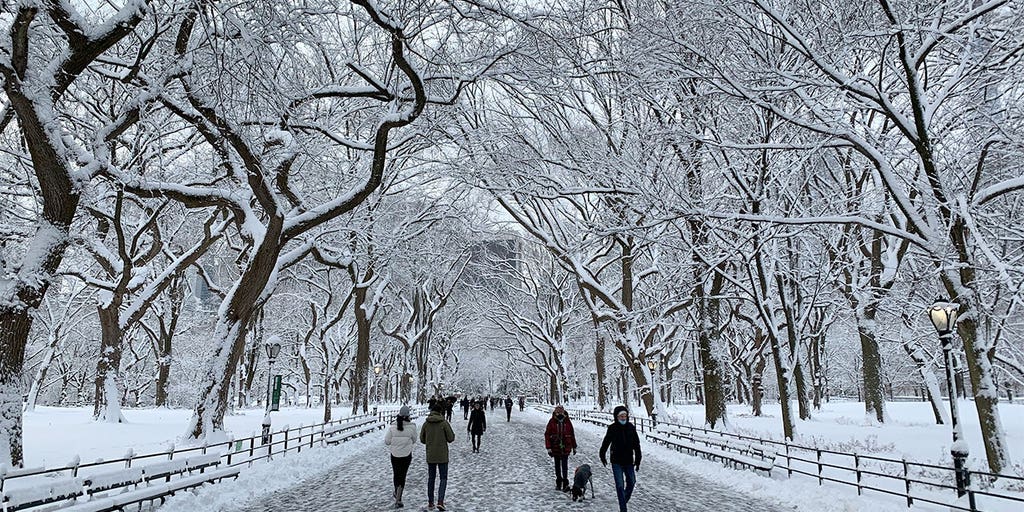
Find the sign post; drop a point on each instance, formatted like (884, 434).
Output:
(275, 402)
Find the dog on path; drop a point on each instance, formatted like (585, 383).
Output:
(580, 480)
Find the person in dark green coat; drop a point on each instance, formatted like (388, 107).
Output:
(436, 434)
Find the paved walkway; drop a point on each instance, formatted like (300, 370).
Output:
(511, 472)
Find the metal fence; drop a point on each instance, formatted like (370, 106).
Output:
(912, 481)
(235, 452)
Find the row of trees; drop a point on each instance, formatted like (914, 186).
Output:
(747, 174)
(743, 190)
(241, 140)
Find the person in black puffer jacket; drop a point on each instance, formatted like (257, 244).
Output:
(625, 444)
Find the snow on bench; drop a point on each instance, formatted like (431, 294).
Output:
(109, 479)
(160, 470)
(353, 432)
(347, 426)
(715, 450)
(42, 493)
(6, 472)
(153, 492)
(201, 462)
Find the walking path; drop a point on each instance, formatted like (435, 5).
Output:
(511, 472)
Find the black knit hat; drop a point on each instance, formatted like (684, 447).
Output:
(618, 409)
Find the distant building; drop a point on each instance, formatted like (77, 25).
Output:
(492, 262)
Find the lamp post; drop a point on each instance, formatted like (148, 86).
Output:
(653, 365)
(377, 368)
(943, 316)
(273, 348)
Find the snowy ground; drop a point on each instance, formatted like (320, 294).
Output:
(911, 431)
(55, 435)
(512, 468)
(510, 472)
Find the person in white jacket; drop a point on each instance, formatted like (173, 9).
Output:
(401, 437)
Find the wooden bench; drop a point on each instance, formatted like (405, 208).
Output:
(154, 492)
(739, 454)
(194, 471)
(42, 493)
(341, 433)
(105, 481)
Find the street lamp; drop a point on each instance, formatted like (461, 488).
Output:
(652, 364)
(273, 347)
(377, 368)
(593, 382)
(943, 316)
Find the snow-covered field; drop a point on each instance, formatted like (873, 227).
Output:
(911, 431)
(55, 435)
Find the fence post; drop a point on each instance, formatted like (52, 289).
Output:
(285, 452)
(906, 478)
(789, 462)
(856, 465)
(820, 481)
(128, 458)
(270, 446)
(970, 492)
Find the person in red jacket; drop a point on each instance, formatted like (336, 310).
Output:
(559, 439)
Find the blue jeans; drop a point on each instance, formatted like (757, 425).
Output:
(432, 470)
(623, 490)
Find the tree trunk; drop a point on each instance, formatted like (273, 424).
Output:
(714, 372)
(362, 368)
(15, 324)
(932, 390)
(44, 367)
(327, 399)
(980, 357)
(599, 364)
(874, 397)
(229, 336)
(782, 373)
(107, 394)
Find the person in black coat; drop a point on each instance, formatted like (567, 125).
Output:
(625, 444)
(508, 408)
(477, 426)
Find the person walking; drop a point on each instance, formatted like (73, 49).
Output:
(436, 434)
(522, 403)
(477, 426)
(465, 408)
(508, 408)
(401, 437)
(559, 440)
(449, 404)
(625, 444)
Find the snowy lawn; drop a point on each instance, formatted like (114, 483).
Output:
(55, 435)
(911, 431)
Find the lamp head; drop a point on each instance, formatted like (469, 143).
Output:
(943, 316)
(273, 347)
